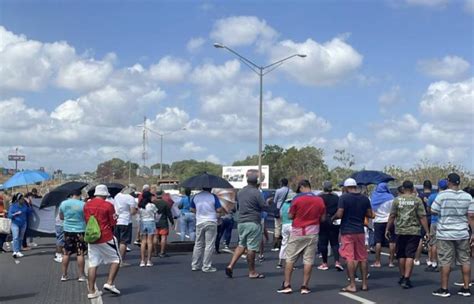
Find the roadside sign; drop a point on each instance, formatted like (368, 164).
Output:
(16, 157)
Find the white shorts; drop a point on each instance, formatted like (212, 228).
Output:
(105, 253)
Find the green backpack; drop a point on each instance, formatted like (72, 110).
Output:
(92, 233)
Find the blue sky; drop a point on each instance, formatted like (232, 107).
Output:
(388, 81)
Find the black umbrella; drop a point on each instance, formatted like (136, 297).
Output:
(367, 177)
(114, 189)
(60, 193)
(206, 180)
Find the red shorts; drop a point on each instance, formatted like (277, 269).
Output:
(353, 247)
(162, 231)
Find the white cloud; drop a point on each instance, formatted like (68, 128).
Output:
(325, 64)
(428, 3)
(213, 159)
(172, 119)
(449, 67)
(208, 75)
(170, 69)
(402, 128)
(84, 74)
(390, 98)
(243, 31)
(195, 44)
(450, 103)
(15, 114)
(191, 147)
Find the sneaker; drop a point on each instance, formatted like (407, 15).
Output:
(243, 256)
(149, 264)
(416, 262)
(406, 284)
(285, 289)
(81, 279)
(428, 262)
(19, 255)
(14, 255)
(226, 247)
(111, 288)
(128, 249)
(440, 292)
(210, 269)
(462, 283)
(323, 266)
(400, 281)
(279, 266)
(194, 268)
(261, 258)
(58, 259)
(304, 290)
(94, 295)
(32, 244)
(339, 267)
(64, 278)
(465, 292)
(142, 264)
(275, 249)
(431, 269)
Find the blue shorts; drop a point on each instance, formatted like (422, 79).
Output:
(59, 235)
(147, 228)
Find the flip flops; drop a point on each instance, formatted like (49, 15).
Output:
(348, 290)
(228, 272)
(258, 276)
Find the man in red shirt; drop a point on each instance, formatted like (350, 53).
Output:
(104, 250)
(307, 211)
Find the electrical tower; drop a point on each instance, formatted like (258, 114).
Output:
(144, 143)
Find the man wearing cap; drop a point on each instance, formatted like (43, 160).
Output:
(125, 207)
(455, 210)
(352, 209)
(329, 232)
(250, 206)
(280, 196)
(307, 212)
(105, 249)
(433, 267)
(409, 215)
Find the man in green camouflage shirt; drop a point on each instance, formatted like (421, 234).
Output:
(409, 215)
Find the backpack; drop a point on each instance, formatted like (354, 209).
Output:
(92, 233)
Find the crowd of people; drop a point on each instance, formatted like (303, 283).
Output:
(307, 223)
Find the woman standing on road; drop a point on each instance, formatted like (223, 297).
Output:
(147, 231)
(18, 213)
(187, 220)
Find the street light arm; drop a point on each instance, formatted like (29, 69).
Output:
(241, 57)
(274, 67)
(250, 66)
(279, 62)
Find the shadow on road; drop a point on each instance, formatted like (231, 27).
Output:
(18, 297)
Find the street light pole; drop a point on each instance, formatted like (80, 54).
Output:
(260, 71)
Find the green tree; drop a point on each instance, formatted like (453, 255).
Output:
(188, 168)
(345, 162)
(115, 168)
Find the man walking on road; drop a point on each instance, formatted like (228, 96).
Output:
(280, 196)
(206, 206)
(329, 232)
(307, 211)
(71, 211)
(408, 213)
(455, 210)
(250, 206)
(105, 249)
(352, 209)
(381, 201)
(125, 207)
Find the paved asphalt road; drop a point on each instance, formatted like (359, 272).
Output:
(36, 280)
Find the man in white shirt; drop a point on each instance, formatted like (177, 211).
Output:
(206, 206)
(125, 207)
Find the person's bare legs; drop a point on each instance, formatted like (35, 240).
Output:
(80, 265)
(163, 244)
(418, 250)
(149, 243)
(351, 268)
(114, 268)
(143, 246)
(445, 271)
(378, 251)
(307, 269)
(401, 266)
(288, 273)
(123, 250)
(391, 249)
(251, 262)
(91, 277)
(364, 270)
(65, 264)
(434, 254)
(466, 275)
(408, 267)
(156, 242)
(237, 254)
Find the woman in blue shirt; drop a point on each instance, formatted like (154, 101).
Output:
(18, 213)
(187, 220)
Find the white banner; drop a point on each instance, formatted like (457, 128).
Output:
(237, 175)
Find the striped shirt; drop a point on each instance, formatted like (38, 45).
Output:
(453, 208)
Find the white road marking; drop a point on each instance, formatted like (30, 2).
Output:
(356, 298)
(384, 253)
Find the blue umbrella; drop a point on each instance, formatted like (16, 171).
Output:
(367, 177)
(26, 177)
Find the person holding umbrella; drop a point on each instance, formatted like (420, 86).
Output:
(206, 206)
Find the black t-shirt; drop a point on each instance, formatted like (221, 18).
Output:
(331, 201)
(355, 207)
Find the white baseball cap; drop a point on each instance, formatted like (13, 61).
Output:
(101, 190)
(146, 187)
(350, 182)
